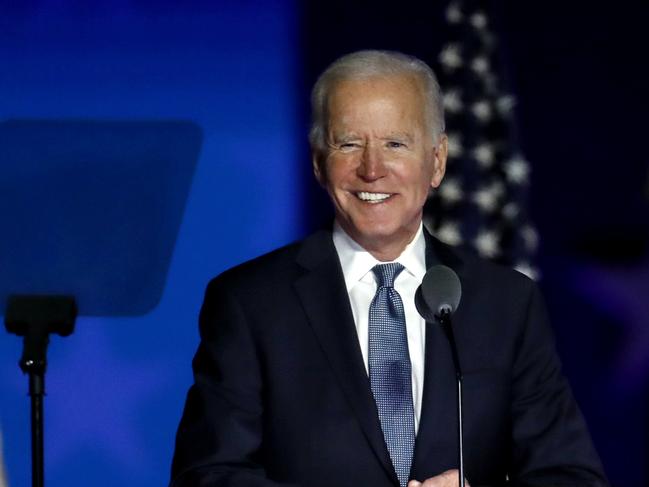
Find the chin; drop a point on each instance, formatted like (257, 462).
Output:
(376, 234)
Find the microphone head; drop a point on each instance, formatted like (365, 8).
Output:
(422, 307)
(440, 290)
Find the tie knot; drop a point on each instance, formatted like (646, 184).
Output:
(387, 273)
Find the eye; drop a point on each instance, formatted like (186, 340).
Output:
(348, 146)
(395, 144)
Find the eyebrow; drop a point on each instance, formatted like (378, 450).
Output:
(399, 136)
(339, 138)
(346, 137)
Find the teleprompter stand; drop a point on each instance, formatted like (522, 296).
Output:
(35, 318)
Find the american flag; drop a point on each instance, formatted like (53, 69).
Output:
(482, 200)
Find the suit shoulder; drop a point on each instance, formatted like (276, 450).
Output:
(495, 276)
(264, 270)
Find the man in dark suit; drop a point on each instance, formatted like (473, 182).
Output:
(314, 368)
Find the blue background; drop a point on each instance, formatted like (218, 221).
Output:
(241, 70)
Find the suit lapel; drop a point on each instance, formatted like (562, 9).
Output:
(326, 303)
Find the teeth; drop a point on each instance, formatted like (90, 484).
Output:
(373, 197)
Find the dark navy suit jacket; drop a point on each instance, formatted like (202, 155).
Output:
(281, 395)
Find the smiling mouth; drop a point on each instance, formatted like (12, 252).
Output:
(372, 197)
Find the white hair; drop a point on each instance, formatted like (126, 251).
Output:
(372, 64)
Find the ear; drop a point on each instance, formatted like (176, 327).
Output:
(318, 170)
(439, 161)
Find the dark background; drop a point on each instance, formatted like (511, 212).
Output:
(242, 72)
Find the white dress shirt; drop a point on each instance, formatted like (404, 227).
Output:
(357, 264)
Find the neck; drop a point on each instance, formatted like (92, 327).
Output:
(387, 253)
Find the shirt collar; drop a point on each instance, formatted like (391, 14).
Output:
(357, 262)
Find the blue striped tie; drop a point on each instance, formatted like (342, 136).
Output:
(390, 370)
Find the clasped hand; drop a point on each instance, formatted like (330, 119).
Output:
(445, 479)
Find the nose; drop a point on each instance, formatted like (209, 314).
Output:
(372, 164)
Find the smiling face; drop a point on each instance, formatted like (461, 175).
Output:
(380, 161)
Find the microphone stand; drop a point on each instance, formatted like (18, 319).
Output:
(35, 318)
(444, 319)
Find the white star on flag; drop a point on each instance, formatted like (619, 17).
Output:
(484, 154)
(480, 65)
(530, 236)
(517, 170)
(511, 210)
(487, 198)
(452, 101)
(505, 104)
(478, 20)
(454, 145)
(450, 56)
(449, 233)
(450, 191)
(482, 110)
(453, 13)
(486, 243)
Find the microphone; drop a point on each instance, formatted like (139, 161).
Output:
(436, 299)
(439, 293)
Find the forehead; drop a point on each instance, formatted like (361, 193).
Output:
(377, 100)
